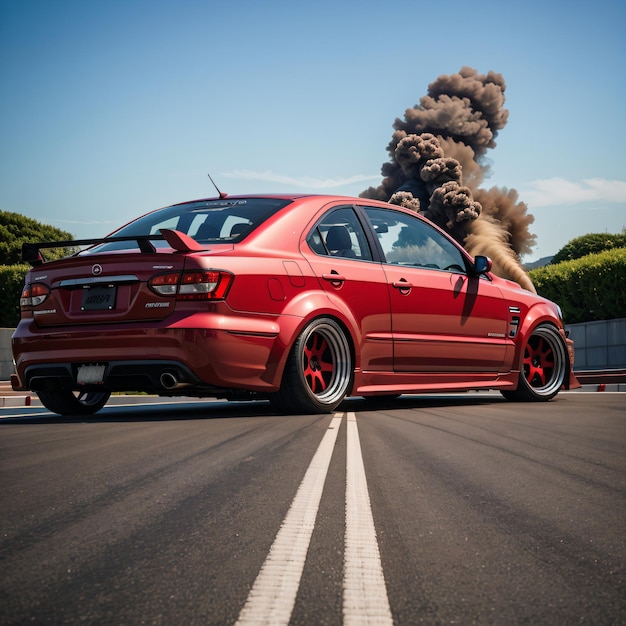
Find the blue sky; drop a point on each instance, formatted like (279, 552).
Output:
(111, 109)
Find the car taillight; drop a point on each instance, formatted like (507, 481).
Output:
(196, 285)
(165, 284)
(34, 294)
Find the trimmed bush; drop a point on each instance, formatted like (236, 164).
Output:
(11, 285)
(593, 243)
(587, 289)
(16, 229)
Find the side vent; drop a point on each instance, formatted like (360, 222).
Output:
(515, 321)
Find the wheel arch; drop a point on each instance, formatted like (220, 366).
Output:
(295, 317)
(530, 328)
(539, 314)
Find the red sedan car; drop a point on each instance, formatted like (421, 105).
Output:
(301, 299)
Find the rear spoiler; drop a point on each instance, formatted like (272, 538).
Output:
(31, 252)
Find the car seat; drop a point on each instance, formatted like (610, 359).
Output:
(339, 243)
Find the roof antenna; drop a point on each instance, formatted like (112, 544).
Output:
(222, 194)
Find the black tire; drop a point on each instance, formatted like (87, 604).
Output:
(66, 402)
(544, 367)
(319, 370)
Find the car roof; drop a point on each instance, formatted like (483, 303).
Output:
(279, 196)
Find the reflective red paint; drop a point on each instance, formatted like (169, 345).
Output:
(299, 299)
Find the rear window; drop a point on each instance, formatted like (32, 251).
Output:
(227, 220)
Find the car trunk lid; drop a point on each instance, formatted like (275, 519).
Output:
(104, 288)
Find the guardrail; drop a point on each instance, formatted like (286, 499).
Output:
(601, 377)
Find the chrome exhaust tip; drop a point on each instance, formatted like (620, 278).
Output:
(170, 381)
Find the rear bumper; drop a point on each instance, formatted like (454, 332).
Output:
(221, 356)
(151, 376)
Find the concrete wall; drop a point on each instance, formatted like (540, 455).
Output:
(6, 357)
(598, 345)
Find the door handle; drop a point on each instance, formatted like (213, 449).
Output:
(402, 284)
(333, 277)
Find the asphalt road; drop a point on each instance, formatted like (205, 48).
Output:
(459, 509)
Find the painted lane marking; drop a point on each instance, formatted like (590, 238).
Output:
(273, 595)
(365, 598)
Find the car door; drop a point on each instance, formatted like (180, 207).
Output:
(444, 320)
(341, 258)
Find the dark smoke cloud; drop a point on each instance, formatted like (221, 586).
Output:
(437, 165)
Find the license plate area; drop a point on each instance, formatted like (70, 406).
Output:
(90, 374)
(98, 298)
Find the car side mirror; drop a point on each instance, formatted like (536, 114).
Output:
(482, 265)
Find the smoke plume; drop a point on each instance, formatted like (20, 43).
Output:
(437, 165)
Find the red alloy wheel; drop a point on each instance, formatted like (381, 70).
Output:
(543, 367)
(318, 372)
(538, 361)
(318, 363)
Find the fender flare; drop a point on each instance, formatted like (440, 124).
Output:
(298, 313)
(544, 313)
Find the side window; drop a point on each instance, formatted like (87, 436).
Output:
(407, 240)
(339, 233)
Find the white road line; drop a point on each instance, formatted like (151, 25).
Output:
(365, 598)
(273, 595)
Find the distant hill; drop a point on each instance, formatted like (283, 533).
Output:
(539, 263)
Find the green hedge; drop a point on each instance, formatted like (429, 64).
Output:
(11, 285)
(16, 229)
(587, 289)
(594, 243)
